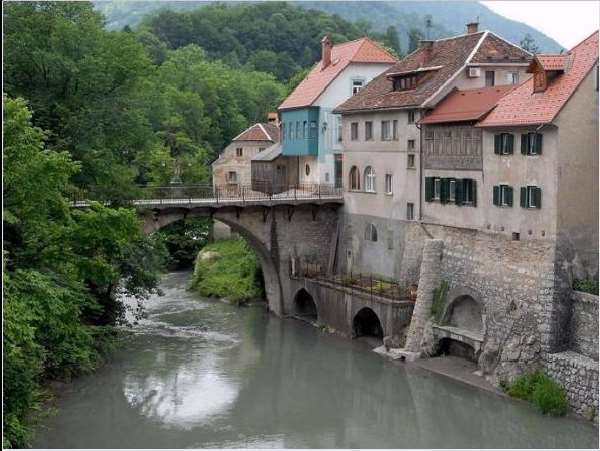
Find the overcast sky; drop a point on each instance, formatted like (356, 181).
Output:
(567, 22)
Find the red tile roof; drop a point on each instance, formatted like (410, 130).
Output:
(466, 105)
(451, 54)
(259, 132)
(362, 50)
(551, 62)
(525, 107)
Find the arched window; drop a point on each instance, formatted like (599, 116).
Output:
(371, 233)
(370, 179)
(354, 179)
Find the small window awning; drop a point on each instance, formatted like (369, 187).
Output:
(413, 71)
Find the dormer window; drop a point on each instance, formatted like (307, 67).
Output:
(405, 83)
(357, 85)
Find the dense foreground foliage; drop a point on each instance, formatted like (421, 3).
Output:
(228, 269)
(545, 393)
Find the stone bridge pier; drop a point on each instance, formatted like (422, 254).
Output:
(306, 233)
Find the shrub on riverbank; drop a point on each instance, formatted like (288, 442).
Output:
(228, 269)
(542, 391)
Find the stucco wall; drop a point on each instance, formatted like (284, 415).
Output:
(229, 161)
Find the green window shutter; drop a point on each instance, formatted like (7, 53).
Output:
(509, 196)
(524, 196)
(459, 196)
(474, 193)
(524, 142)
(538, 197)
(496, 195)
(511, 142)
(428, 189)
(444, 190)
(497, 144)
(538, 143)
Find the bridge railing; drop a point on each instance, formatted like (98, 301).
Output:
(148, 194)
(367, 284)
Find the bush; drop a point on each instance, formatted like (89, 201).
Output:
(589, 285)
(547, 395)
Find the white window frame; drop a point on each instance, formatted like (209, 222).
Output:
(369, 136)
(437, 188)
(452, 190)
(231, 179)
(412, 116)
(503, 190)
(357, 85)
(467, 192)
(530, 196)
(513, 78)
(531, 150)
(389, 190)
(386, 134)
(370, 180)
(353, 126)
(504, 143)
(410, 211)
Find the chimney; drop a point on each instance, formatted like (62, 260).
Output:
(472, 27)
(326, 51)
(272, 118)
(427, 47)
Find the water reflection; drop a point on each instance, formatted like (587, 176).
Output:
(204, 374)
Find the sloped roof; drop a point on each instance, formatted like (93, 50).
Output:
(259, 132)
(466, 105)
(451, 54)
(269, 154)
(362, 50)
(551, 62)
(525, 107)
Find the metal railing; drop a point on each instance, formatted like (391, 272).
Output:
(229, 193)
(367, 284)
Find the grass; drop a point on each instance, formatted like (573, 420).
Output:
(589, 285)
(541, 390)
(439, 300)
(234, 273)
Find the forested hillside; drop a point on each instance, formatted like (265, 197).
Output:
(448, 18)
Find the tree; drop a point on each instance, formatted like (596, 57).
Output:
(392, 40)
(414, 36)
(529, 44)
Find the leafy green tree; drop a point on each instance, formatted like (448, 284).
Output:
(392, 40)
(414, 36)
(529, 44)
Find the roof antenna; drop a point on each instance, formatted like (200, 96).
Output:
(428, 25)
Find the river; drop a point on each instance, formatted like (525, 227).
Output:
(205, 374)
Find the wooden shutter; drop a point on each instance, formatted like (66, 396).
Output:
(474, 192)
(459, 192)
(524, 196)
(428, 189)
(509, 196)
(524, 142)
(497, 144)
(538, 143)
(496, 195)
(537, 193)
(444, 190)
(510, 142)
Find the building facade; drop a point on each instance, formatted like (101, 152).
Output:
(311, 133)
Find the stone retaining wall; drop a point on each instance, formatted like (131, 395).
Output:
(583, 327)
(578, 375)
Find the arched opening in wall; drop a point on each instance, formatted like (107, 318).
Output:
(183, 240)
(366, 323)
(465, 313)
(304, 306)
(448, 346)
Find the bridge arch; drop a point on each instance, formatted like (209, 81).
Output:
(273, 289)
(305, 306)
(367, 323)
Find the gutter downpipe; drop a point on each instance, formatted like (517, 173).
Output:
(420, 170)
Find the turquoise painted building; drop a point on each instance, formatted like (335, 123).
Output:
(300, 132)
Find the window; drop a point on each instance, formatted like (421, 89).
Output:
(388, 184)
(437, 189)
(370, 179)
(239, 152)
(410, 160)
(504, 143)
(368, 131)
(339, 129)
(357, 86)
(291, 130)
(468, 191)
(531, 143)
(232, 177)
(260, 149)
(411, 117)
(304, 130)
(410, 144)
(283, 130)
(327, 176)
(513, 78)
(452, 190)
(395, 130)
(503, 196)
(307, 170)
(410, 211)
(490, 78)
(354, 131)
(531, 197)
(385, 131)
(298, 130)
(371, 233)
(313, 129)
(404, 83)
(354, 179)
